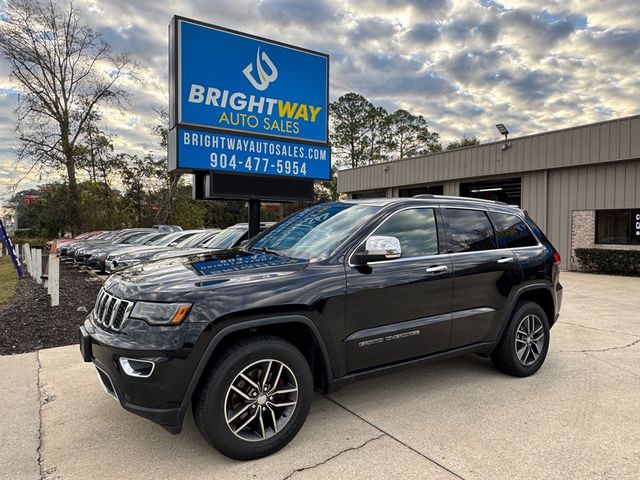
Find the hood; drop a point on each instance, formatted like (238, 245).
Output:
(172, 279)
(122, 249)
(182, 252)
(142, 254)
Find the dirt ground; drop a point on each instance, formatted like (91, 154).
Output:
(28, 322)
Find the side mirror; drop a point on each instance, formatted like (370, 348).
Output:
(173, 244)
(379, 248)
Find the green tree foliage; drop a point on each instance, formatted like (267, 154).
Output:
(65, 71)
(409, 136)
(362, 134)
(349, 122)
(463, 142)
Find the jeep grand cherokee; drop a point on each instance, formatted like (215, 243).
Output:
(334, 293)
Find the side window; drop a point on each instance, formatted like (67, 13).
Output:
(416, 230)
(513, 231)
(470, 230)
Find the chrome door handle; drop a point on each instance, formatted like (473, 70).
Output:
(505, 260)
(440, 268)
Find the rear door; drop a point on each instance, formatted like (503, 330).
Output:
(400, 309)
(483, 276)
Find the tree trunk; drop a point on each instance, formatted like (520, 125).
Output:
(74, 194)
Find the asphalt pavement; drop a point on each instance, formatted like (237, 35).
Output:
(576, 418)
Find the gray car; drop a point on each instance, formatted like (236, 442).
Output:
(134, 257)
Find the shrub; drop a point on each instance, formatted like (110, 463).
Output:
(619, 262)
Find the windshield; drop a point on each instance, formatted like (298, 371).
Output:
(192, 241)
(148, 238)
(314, 233)
(132, 238)
(166, 239)
(227, 238)
(103, 236)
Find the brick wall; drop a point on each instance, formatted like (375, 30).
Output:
(583, 235)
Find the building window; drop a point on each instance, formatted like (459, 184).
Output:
(382, 193)
(618, 227)
(507, 190)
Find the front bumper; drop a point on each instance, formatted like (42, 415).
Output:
(158, 397)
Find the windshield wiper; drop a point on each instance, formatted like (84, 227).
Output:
(266, 250)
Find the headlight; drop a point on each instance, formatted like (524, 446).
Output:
(161, 313)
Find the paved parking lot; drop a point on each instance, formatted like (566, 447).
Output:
(577, 418)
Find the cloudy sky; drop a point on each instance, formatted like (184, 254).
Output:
(464, 65)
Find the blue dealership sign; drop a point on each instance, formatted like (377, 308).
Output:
(201, 150)
(238, 83)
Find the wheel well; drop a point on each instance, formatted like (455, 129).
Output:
(295, 333)
(543, 298)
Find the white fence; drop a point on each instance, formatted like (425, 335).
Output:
(32, 262)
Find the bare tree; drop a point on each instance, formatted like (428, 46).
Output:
(65, 71)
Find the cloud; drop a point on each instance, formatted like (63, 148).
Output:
(464, 65)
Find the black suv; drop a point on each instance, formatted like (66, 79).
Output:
(334, 293)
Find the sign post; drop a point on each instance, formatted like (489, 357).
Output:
(6, 241)
(248, 115)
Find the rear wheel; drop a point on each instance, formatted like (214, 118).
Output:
(255, 398)
(525, 342)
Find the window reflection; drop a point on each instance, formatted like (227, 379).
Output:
(416, 230)
(470, 230)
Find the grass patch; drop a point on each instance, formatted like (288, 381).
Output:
(8, 279)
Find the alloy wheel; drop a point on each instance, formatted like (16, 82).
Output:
(261, 400)
(530, 340)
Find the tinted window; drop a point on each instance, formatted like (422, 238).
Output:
(513, 231)
(416, 230)
(470, 230)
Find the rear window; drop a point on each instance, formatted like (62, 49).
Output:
(512, 231)
(470, 230)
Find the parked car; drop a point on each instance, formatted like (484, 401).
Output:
(135, 242)
(82, 236)
(168, 228)
(187, 247)
(335, 293)
(229, 238)
(135, 257)
(82, 253)
(67, 250)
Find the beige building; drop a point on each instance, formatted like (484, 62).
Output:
(580, 184)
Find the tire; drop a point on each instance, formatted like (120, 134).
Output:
(219, 410)
(528, 357)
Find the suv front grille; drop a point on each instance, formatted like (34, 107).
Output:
(111, 312)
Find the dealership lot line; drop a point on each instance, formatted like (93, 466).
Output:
(577, 418)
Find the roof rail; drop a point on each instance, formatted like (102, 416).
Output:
(452, 197)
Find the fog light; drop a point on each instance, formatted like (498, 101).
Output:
(136, 367)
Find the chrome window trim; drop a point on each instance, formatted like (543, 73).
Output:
(433, 207)
(410, 207)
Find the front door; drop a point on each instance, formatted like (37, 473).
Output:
(400, 309)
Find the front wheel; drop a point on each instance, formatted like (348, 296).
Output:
(525, 342)
(255, 398)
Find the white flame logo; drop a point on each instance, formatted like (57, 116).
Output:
(264, 78)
